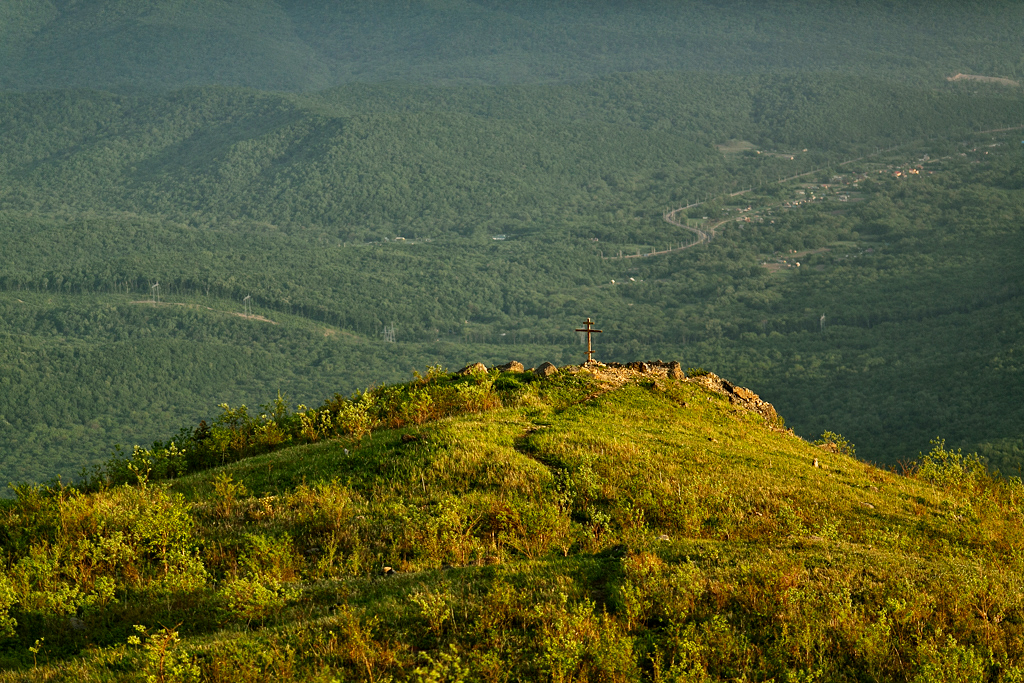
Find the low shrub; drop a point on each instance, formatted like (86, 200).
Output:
(237, 433)
(836, 443)
(951, 470)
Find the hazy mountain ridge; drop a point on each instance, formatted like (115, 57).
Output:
(295, 46)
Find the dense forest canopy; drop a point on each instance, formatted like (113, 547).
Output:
(891, 322)
(366, 162)
(307, 45)
(348, 167)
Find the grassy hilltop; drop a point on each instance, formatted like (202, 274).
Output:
(600, 524)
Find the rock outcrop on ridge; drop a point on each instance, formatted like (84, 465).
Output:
(616, 374)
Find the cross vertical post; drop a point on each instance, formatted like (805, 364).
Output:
(590, 331)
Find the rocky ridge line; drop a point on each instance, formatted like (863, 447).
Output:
(613, 375)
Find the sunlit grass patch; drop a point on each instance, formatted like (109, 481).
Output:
(589, 532)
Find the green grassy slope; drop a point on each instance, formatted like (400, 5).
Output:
(574, 530)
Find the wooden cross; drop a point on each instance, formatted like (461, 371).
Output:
(589, 330)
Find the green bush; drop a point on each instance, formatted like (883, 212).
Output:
(836, 443)
(237, 433)
(951, 470)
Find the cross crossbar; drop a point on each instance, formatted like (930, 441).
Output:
(589, 329)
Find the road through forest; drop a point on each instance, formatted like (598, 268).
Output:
(704, 236)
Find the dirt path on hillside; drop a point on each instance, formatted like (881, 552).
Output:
(984, 79)
(253, 316)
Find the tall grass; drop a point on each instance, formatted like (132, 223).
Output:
(534, 530)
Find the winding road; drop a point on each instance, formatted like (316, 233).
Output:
(704, 236)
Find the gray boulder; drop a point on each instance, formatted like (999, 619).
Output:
(472, 369)
(675, 370)
(546, 369)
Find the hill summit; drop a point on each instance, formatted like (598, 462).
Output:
(600, 523)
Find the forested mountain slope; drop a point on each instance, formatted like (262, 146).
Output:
(288, 45)
(471, 180)
(296, 201)
(365, 162)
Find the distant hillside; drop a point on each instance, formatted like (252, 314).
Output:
(296, 201)
(597, 524)
(363, 162)
(315, 44)
(343, 168)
